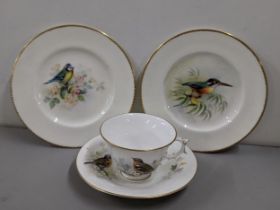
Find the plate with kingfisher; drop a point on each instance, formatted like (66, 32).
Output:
(67, 80)
(209, 84)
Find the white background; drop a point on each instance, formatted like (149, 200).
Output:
(139, 26)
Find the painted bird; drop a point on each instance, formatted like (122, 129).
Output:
(101, 163)
(64, 76)
(141, 167)
(206, 87)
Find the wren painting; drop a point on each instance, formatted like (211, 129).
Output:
(100, 161)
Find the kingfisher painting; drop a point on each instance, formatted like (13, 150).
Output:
(199, 97)
(198, 89)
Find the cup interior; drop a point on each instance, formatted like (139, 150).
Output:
(138, 131)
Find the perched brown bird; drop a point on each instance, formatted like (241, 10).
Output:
(141, 167)
(102, 162)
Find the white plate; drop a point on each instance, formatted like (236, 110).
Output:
(169, 177)
(213, 118)
(69, 113)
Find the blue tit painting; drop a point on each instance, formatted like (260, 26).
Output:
(67, 88)
(64, 76)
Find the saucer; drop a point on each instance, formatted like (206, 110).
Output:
(209, 84)
(67, 80)
(171, 176)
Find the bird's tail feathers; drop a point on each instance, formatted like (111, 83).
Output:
(186, 84)
(48, 82)
(89, 162)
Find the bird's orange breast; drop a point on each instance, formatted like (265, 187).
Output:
(206, 90)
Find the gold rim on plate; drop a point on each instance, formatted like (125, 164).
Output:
(54, 28)
(226, 34)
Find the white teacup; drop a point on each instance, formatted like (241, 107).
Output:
(138, 143)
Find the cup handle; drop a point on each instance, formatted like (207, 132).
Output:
(182, 149)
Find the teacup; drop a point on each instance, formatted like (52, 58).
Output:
(138, 143)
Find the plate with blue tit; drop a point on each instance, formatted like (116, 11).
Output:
(209, 84)
(67, 80)
(98, 169)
